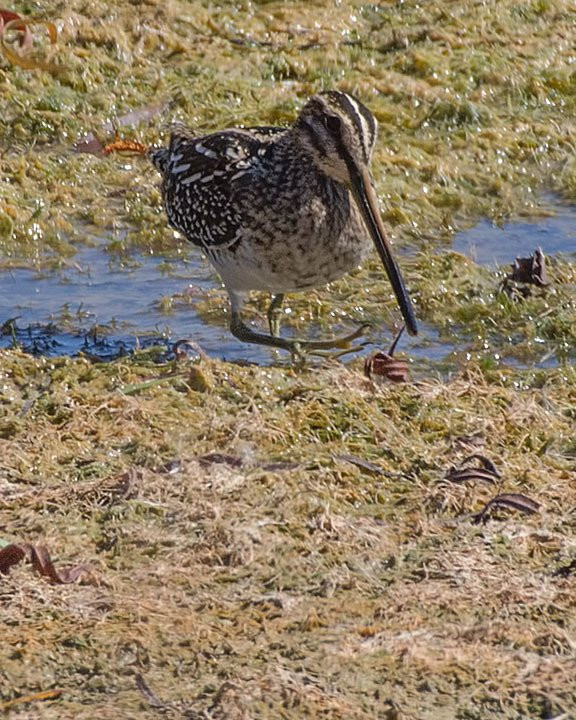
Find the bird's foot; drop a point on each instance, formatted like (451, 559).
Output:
(296, 347)
(337, 347)
(335, 354)
(338, 342)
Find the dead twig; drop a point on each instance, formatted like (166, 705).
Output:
(152, 699)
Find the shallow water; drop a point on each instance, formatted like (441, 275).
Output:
(105, 307)
(489, 244)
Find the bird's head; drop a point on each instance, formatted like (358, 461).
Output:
(338, 132)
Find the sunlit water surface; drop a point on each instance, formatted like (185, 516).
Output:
(60, 312)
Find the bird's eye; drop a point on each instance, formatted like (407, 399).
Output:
(332, 123)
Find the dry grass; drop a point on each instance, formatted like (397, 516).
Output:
(312, 591)
(316, 589)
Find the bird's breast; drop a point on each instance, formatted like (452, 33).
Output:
(294, 238)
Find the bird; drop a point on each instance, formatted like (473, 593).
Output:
(282, 209)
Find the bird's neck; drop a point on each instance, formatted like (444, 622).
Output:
(297, 160)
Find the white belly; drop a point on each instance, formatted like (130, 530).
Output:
(291, 266)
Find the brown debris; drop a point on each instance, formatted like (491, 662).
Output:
(513, 501)
(487, 471)
(525, 272)
(91, 144)
(40, 558)
(386, 365)
(365, 465)
(530, 270)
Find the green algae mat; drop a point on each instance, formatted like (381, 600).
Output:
(199, 539)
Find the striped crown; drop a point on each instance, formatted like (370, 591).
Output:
(338, 131)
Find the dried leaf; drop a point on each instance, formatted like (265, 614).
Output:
(530, 270)
(486, 473)
(514, 501)
(385, 365)
(23, 25)
(39, 556)
(486, 463)
(466, 474)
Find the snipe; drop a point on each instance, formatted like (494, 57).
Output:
(282, 209)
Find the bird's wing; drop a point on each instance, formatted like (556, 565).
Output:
(200, 175)
(224, 152)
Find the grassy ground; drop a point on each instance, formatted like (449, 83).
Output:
(281, 579)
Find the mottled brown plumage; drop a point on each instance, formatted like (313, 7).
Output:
(281, 209)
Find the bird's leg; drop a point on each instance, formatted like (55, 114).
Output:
(239, 329)
(275, 314)
(295, 346)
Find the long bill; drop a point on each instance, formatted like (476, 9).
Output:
(365, 196)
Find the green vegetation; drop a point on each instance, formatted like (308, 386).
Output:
(235, 586)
